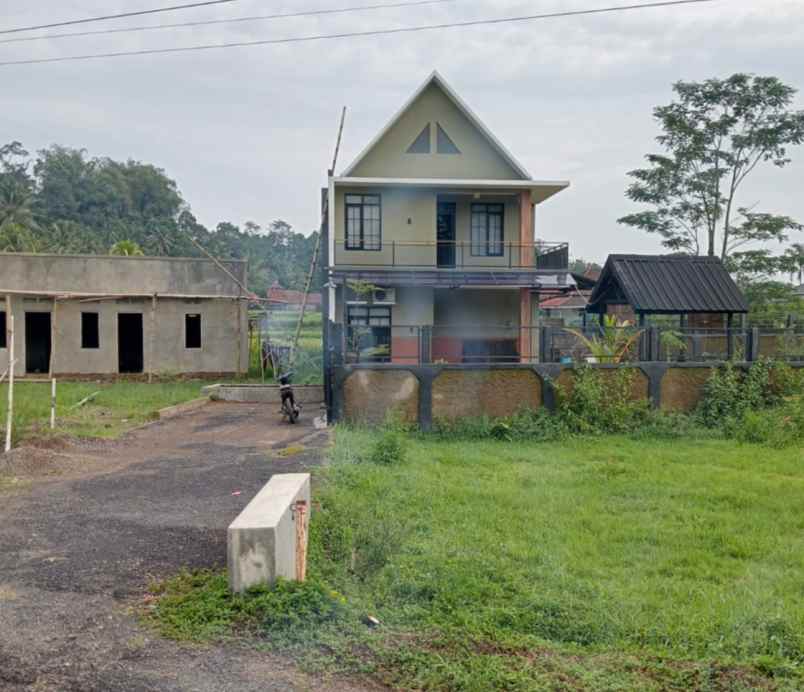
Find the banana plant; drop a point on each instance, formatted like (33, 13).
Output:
(614, 342)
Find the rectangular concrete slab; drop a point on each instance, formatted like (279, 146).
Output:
(261, 542)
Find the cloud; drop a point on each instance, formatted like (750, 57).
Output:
(248, 133)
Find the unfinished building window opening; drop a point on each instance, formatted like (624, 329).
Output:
(90, 334)
(192, 331)
(37, 342)
(3, 329)
(130, 342)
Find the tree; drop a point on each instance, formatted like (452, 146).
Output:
(714, 135)
(126, 248)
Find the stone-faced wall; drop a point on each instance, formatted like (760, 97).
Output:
(640, 384)
(435, 392)
(370, 395)
(489, 392)
(682, 388)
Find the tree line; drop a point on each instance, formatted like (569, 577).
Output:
(62, 201)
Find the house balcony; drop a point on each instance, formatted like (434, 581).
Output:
(441, 263)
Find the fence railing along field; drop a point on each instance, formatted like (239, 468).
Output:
(490, 344)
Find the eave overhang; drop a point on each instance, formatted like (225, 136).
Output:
(540, 190)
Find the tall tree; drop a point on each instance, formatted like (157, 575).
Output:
(714, 135)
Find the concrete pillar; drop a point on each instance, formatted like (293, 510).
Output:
(526, 259)
(526, 231)
(525, 326)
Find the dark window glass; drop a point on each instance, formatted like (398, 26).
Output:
(444, 145)
(487, 230)
(421, 144)
(90, 333)
(363, 222)
(369, 333)
(192, 331)
(3, 328)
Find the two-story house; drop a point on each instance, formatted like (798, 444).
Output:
(432, 252)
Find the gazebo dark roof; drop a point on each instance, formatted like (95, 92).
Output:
(667, 284)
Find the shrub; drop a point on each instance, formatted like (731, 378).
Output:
(601, 403)
(389, 449)
(781, 426)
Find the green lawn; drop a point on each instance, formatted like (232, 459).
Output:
(604, 563)
(118, 407)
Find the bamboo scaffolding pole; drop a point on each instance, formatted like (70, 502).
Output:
(221, 266)
(11, 362)
(53, 404)
(239, 339)
(53, 338)
(151, 341)
(93, 297)
(317, 248)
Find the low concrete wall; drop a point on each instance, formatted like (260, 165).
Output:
(261, 542)
(424, 394)
(262, 393)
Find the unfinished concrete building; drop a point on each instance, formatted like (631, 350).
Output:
(79, 316)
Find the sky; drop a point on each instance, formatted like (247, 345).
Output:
(248, 133)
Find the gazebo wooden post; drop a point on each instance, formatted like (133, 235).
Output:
(730, 336)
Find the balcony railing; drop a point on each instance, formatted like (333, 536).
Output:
(455, 254)
(490, 344)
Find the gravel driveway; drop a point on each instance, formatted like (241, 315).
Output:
(91, 524)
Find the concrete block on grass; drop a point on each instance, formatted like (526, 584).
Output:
(261, 542)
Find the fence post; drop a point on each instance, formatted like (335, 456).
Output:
(545, 343)
(425, 344)
(752, 350)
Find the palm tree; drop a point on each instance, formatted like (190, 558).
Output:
(127, 248)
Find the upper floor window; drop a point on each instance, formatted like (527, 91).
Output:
(487, 230)
(3, 330)
(363, 222)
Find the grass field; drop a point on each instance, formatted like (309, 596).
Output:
(118, 407)
(601, 564)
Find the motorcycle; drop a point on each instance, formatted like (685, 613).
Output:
(290, 409)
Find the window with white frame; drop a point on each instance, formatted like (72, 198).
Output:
(363, 222)
(487, 230)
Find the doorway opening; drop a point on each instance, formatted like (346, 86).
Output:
(37, 342)
(445, 234)
(130, 354)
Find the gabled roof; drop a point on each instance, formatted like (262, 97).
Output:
(667, 284)
(437, 79)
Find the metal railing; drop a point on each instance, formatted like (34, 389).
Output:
(459, 254)
(651, 344)
(504, 343)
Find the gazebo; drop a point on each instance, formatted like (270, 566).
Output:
(697, 289)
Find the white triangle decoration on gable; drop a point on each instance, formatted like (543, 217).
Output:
(444, 145)
(421, 145)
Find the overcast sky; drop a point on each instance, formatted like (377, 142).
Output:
(248, 132)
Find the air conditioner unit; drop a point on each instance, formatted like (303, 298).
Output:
(383, 296)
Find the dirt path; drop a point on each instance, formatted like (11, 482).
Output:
(79, 546)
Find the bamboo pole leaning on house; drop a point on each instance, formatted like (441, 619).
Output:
(317, 248)
(11, 362)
